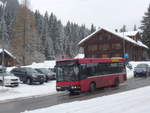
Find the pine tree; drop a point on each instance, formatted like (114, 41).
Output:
(26, 43)
(135, 28)
(34, 36)
(145, 27)
(123, 29)
(47, 40)
(93, 28)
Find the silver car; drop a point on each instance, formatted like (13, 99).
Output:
(9, 78)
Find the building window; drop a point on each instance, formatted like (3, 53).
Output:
(92, 48)
(116, 46)
(100, 47)
(104, 55)
(100, 38)
(117, 55)
(134, 38)
(105, 47)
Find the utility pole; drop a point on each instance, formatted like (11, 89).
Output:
(124, 49)
(3, 38)
(24, 32)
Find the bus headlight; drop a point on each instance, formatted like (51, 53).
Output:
(75, 87)
(58, 87)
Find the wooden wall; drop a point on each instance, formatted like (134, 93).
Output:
(8, 60)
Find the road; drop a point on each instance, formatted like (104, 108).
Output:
(59, 98)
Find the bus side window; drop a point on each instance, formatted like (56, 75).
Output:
(82, 72)
(92, 69)
(116, 68)
(102, 68)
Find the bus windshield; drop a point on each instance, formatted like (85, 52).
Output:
(67, 73)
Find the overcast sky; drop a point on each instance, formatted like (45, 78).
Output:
(111, 14)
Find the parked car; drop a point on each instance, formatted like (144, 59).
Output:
(9, 78)
(28, 75)
(142, 70)
(48, 73)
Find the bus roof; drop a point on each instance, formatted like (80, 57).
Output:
(93, 60)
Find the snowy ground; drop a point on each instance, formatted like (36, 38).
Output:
(24, 90)
(135, 101)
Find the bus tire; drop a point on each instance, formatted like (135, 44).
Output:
(92, 87)
(117, 82)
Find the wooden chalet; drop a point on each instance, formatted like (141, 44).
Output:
(9, 59)
(107, 44)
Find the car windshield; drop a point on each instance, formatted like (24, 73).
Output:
(6, 74)
(67, 73)
(43, 70)
(142, 65)
(31, 70)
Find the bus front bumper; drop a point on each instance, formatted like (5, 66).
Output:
(69, 88)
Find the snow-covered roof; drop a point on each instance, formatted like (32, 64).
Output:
(1, 50)
(130, 33)
(123, 36)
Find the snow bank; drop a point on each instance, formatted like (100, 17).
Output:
(135, 101)
(24, 90)
(45, 64)
(80, 56)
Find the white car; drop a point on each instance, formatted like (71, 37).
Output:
(9, 79)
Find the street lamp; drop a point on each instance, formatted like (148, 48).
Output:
(3, 37)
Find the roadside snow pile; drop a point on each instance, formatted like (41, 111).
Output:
(3, 89)
(45, 64)
(24, 90)
(80, 56)
(135, 101)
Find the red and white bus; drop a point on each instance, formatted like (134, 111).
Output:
(89, 73)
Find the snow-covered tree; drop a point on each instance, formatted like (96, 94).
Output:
(26, 43)
(145, 27)
(135, 28)
(123, 29)
(93, 28)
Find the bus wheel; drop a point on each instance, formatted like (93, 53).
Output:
(92, 87)
(117, 82)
